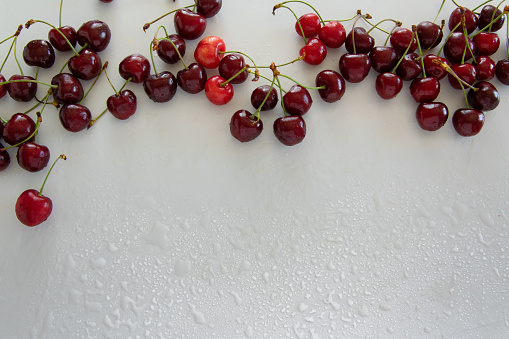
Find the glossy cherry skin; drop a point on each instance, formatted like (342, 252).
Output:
(95, 34)
(455, 20)
(410, 67)
(4, 87)
(354, 67)
(400, 38)
(86, 65)
(466, 72)
(5, 158)
(244, 127)
(208, 8)
(208, 52)
(333, 83)
(33, 157)
(432, 69)
(485, 98)
(455, 46)
(39, 53)
(297, 101)
(189, 25)
(332, 34)
(167, 52)
(502, 71)
(193, 79)
(58, 41)
(290, 130)
(122, 105)
(383, 58)
(75, 117)
(487, 15)
(69, 89)
(430, 34)
(32, 208)
(425, 89)
(310, 23)
(431, 116)
(388, 85)
(484, 68)
(468, 121)
(314, 52)
(135, 67)
(258, 96)
(23, 91)
(160, 87)
(230, 66)
(216, 93)
(364, 42)
(19, 127)
(486, 43)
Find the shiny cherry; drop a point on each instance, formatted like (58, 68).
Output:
(297, 101)
(410, 67)
(314, 52)
(468, 121)
(208, 8)
(122, 105)
(431, 116)
(333, 85)
(485, 98)
(244, 126)
(95, 34)
(5, 158)
(39, 53)
(432, 69)
(260, 93)
(430, 34)
(354, 67)
(400, 38)
(69, 89)
(86, 65)
(484, 68)
(33, 208)
(456, 45)
(425, 89)
(135, 67)
(290, 130)
(487, 15)
(466, 72)
(217, 93)
(189, 25)
(22, 89)
(18, 129)
(209, 51)
(364, 42)
(502, 71)
(230, 66)
(383, 58)
(59, 42)
(332, 34)
(455, 20)
(192, 79)
(75, 117)
(32, 157)
(160, 87)
(486, 43)
(388, 85)
(166, 50)
(310, 23)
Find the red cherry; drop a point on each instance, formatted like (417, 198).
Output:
(468, 121)
(429, 34)
(24, 90)
(208, 51)
(19, 127)
(216, 93)
(466, 72)
(297, 101)
(4, 87)
(166, 50)
(364, 42)
(58, 41)
(425, 89)
(484, 68)
(455, 20)
(314, 52)
(410, 67)
(333, 83)
(231, 65)
(192, 79)
(433, 69)
(33, 157)
(208, 8)
(135, 67)
(32, 208)
(95, 34)
(310, 24)
(75, 117)
(431, 116)
(290, 130)
(332, 34)
(388, 85)
(122, 105)
(383, 58)
(486, 43)
(5, 158)
(69, 89)
(354, 67)
(244, 126)
(160, 87)
(502, 71)
(188, 24)
(39, 53)
(86, 65)
(484, 97)
(456, 49)
(487, 15)
(260, 93)
(400, 39)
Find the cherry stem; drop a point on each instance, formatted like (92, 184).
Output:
(147, 25)
(32, 135)
(449, 70)
(8, 53)
(298, 83)
(447, 38)
(464, 94)
(153, 46)
(173, 44)
(488, 26)
(397, 23)
(343, 20)
(15, 55)
(439, 10)
(111, 84)
(302, 2)
(223, 84)
(32, 21)
(60, 14)
(38, 103)
(27, 80)
(194, 6)
(244, 54)
(92, 122)
(403, 55)
(95, 80)
(296, 18)
(414, 29)
(257, 113)
(258, 75)
(281, 94)
(63, 157)
(353, 31)
(480, 5)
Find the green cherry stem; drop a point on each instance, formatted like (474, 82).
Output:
(447, 38)
(305, 3)
(480, 5)
(296, 18)
(257, 113)
(414, 30)
(298, 83)
(281, 94)
(153, 46)
(32, 21)
(343, 20)
(403, 55)
(27, 80)
(147, 25)
(43, 101)
(439, 10)
(20, 27)
(63, 157)
(93, 121)
(376, 26)
(60, 14)
(109, 81)
(95, 80)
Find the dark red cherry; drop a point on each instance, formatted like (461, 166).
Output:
(400, 40)
(5, 158)
(425, 89)
(486, 43)
(290, 130)
(4, 87)
(189, 25)
(429, 34)
(332, 34)
(32, 208)
(59, 42)
(39, 53)
(410, 67)
(354, 67)
(484, 68)
(383, 58)
(297, 101)
(135, 67)
(230, 66)
(208, 8)
(244, 126)
(69, 89)
(160, 87)
(456, 46)
(364, 42)
(86, 65)
(314, 52)
(95, 34)
(485, 98)
(455, 20)
(122, 105)
(487, 15)
(218, 91)
(309, 24)
(333, 85)
(258, 96)
(468, 121)
(167, 52)
(75, 117)
(388, 85)
(18, 129)
(431, 116)
(502, 71)
(192, 79)
(32, 157)
(432, 69)
(466, 72)
(22, 89)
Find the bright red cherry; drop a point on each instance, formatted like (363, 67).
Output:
(429, 34)
(217, 93)
(233, 66)
(468, 121)
(86, 65)
(314, 52)
(310, 24)
(95, 34)
(486, 43)
(456, 48)
(160, 87)
(75, 117)
(388, 85)
(297, 101)
(466, 72)
(192, 79)
(484, 68)
(290, 130)
(166, 50)
(432, 69)
(260, 93)
(208, 52)
(400, 39)
(32, 208)
(484, 97)
(354, 67)
(332, 34)
(431, 116)
(57, 40)
(18, 129)
(69, 89)
(189, 25)
(455, 20)
(333, 85)
(22, 89)
(135, 67)
(122, 105)
(425, 89)
(39, 53)
(244, 126)
(33, 157)
(208, 8)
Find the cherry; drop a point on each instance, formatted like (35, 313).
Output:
(192, 79)
(75, 117)
(466, 72)
(388, 85)
(160, 87)
(364, 42)
(433, 69)
(429, 34)
(502, 71)
(5, 158)
(383, 58)
(18, 129)
(484, 68)
(166, 50)
(135, 67)
(230, 66)
(290, 130)
(332, 34)
(425, 89)
(189, 25)
(95, 34)
(69, 89)
(354, 67)
(86, 65)
(456, 46)
(33, 157)
(106, 1)
(297, 101)
(468, 121)
(333, 83)
(59, 42)
(431, 116)
(4, 87)
(216, 93)
(314, 52)
(208, 8)
(487, 15)
(400, 39)
(122, 105)
(22, 89)
(485, 98)
(410, 67)
(455, 20)
(310, 24)
(244, 126)
(39, 53)
(260, 93)
(208, 52)
(486, 43)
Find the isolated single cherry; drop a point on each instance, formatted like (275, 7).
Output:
(69, 89)
(486, 43)
(192, 79)
(122, 105)
(244, 126)
(290, 130)
(189, 25)
(483, 96)
(160, 87)
(333, 83)
(217, 93)
(135, 67)
(86, 65)
(425, 89)
(364, 42)
(32, 157)
(487, 15)
(59, 42)
(5, 158)
(233, 66)
(75, 117)
(383, 58)
(208, 8)
(208, 52)
(18, 129)
(310, 23)
(32, 208)
(465, 72)
(39, 53)
(388, 85)
(332, 34)
(166, 50)
(95, 34)
(260, 93)
(429, 34)
(485, 68)
(314, 52)
(456, 17)
(22, 89)
(354, 67)
(431, 116)
(297, 101)
(468, 121)
(400, 38)
(502, 71)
